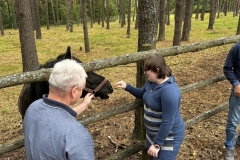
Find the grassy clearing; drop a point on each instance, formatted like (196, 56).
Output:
(103, 43)
(109, 43)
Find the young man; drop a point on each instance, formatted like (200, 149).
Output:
(231, 71)
(51, 130)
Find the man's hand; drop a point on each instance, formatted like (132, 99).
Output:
(85, 103)
(237, 91)
(87, 99)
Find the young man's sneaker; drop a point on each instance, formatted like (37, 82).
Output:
(229, 154)
(237, 145)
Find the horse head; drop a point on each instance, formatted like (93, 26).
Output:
(95, 84)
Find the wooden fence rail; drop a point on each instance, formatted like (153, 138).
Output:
(43, 75)
(8, 147)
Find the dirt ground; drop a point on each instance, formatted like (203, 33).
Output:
(203, 141)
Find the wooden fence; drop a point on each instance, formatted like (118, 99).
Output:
(43, 74)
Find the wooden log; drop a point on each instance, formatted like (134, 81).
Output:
(8, 147)
(202, 83)
(110, 113)
(206, 115)
(27, 77)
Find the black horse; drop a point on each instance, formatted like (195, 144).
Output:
(95, 84)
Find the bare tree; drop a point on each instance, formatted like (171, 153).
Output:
(107, 14)
(71, 15)
(225, 8)
(238, 28)
(129, 17)
(212, 13)
(37, 18)
(91, 13)
(57, 13)
(67, 4)
(47, 14)
(14, 14)
(137, 15)
(122, 12)
(167, 14)
(197, 9)
(187, 20)
(103, 14)
(85, 28)
(148, 22)
(1, 25)
(178, 23)
(204, 4)
(161, 32)
(99, 10)
(53, 13)
(26, 34)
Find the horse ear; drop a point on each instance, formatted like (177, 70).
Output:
(68, 53)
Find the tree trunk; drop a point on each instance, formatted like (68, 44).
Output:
(237, 7)
(122, 11)
(167, 15)
(212, 14)
(103, 11)
(99, 11)
(53, 13)
(1, 25)
(91, 13)
(107, 14)
(218, 9)
(37, 19)
(71, 16)
(234, 8)
(14, 14)
(178, 23)
(197, 9)
(147, 32)
(57, 13)
(161, 32)
(134, 11)
(79, 13)
(33, 14)
(204, 4)
(225, 7)
(148, 22)
(47, 15)
(137, 15)
(187, 20)
(238, 27)
(129, 18)
(26, 34)
(85, 28)
(67, 15)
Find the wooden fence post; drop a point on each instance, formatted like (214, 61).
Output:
(139, 131)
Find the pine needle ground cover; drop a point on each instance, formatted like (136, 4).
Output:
(203, 140)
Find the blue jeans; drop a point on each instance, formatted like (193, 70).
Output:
(232, 121)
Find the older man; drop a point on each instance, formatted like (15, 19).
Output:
(51, 130)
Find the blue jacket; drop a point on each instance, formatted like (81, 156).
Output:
(162, 114)
(231, 68)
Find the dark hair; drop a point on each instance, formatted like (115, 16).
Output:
(157, 64)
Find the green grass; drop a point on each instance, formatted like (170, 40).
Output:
(103, 43)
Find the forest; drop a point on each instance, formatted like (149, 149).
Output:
(98, 29)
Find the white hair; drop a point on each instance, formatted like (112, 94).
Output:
(67, 74)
